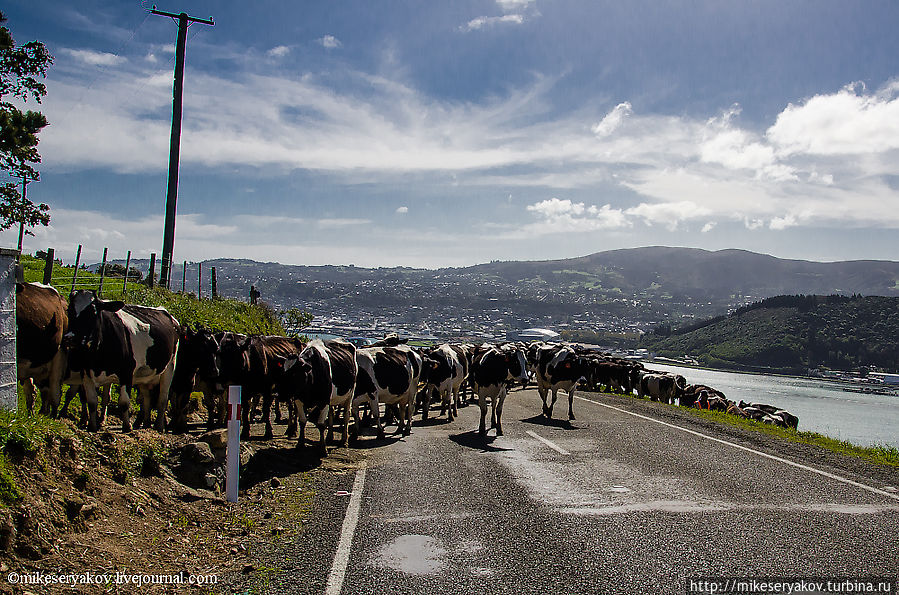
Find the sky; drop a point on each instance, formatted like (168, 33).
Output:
(432, 134)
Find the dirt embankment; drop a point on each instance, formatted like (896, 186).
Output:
(147, 503)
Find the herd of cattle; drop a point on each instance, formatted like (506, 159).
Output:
(91, 344)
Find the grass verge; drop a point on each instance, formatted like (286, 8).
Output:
(879, 454)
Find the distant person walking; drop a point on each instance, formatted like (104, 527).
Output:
(254, 294)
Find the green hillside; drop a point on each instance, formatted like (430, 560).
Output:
(791, 334)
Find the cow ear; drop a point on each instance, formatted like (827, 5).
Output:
(111, 305)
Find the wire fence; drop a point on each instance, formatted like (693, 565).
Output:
(114, 279)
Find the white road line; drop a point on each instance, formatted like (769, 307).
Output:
(752, 450)
(342, 557)
(549, 443)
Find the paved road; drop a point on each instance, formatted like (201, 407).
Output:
(612, 503)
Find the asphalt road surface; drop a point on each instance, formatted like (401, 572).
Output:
(614, 502)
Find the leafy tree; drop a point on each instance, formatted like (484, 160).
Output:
(294, 320)
(20, 67)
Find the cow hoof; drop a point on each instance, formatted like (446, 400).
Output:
(407, 432)
(381, 435)
(571, 417)
(268, 435)
(499, 431)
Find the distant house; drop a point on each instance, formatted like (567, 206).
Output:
(533, 334)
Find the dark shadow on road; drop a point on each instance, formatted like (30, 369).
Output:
(474, 440)
(539, 420)
(368, 442)
(431, 421)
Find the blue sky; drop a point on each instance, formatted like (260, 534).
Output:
(422, 133)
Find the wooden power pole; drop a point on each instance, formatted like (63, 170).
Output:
(171, 198)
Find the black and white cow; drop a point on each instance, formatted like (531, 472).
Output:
(493, 370)
(444, 370)
(559, 367)
(388, 375)
(321, 379)
(41, 322)
(135, 346)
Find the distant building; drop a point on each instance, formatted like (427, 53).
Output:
(533, 334)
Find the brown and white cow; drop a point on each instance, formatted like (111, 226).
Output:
(559, 367)
(41, 322)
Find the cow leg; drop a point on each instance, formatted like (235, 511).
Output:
(301, 422)
(90, 399)
(346, 426)
(500, 399)
(330, 423)
(245, 422)
(291, 419)
(70, 394)
(267, 414)
(325, 416)
(456, 401)
(482, 403)
(448, 404)
(493, 411)
(571, 404)
(125, 406)
(547, 411)
(374, 405)
(426, 403)
(28, 385)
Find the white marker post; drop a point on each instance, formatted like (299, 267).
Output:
(232, 470)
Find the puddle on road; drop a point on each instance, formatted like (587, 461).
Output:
(412, 554)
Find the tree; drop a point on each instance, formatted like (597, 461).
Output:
(20, 67)
(295, 320)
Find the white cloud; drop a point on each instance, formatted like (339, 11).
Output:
(482, 22)
(613, 119)
(849, 122)
(402, 210)
(94, 58)
(780, 223)
(708, 227)
(668, 214)
(564, 216)
(330, 42)
(278, 51)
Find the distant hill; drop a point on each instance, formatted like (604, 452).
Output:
(619, 289)
(791, 334)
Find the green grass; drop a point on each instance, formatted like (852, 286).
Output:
(22, 433)
(218, 314)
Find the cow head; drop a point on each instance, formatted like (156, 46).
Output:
(296, 379)
(201, 349)
(84, 313)
(233, 359)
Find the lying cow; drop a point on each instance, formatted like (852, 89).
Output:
(661, 387)
(134, 346)
(770, 414)
(492, 371)
(387, 375)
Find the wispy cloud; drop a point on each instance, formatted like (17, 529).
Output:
(94, 58)
(330, 42)
(482, 22)
(278, 51)
(402, 210)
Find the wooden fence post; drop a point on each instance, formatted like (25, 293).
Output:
(127, 268)
(215, 293)
(152, 273)
(102, 273)
(48, 266)
(183, 276)
(200, 280)
(77, 262)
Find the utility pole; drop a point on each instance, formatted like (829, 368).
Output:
(171, 198)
